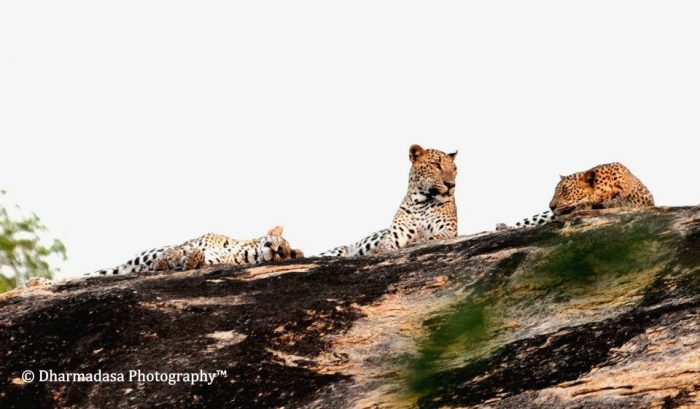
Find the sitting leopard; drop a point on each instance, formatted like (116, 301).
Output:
(602, 187)
(428, 210)
(208, 250)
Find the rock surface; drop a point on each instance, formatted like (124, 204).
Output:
(600, 310)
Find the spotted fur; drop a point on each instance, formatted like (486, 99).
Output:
(427, 212)
(534, 221)
(208, 250)
(602, 187)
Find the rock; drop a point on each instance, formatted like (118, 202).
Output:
(598, 311)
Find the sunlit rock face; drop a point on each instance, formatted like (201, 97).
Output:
(601, 309)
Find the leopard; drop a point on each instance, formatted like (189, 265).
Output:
(611, 185)
(427, 213)
(208, 250)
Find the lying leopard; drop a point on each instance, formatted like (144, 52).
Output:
(602, 187)
(208, 250)
(428, 210)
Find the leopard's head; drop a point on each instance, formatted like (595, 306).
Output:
(274, 247)
(433, 174)
(574, 192)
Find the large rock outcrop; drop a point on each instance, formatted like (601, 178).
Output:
(600, 310)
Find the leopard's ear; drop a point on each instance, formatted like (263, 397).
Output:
(589, 177)
(276, 231)
(453, 155)
(415, 152)
(296, 253)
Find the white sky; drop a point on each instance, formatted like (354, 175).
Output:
(128, 125)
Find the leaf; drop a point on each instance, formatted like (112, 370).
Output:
(27, 255)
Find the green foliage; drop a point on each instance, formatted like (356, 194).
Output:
(23, 249)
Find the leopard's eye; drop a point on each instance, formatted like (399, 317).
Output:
(437, 165)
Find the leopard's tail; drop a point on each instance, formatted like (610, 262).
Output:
(142, 262)
(363, 247)
(107, 271)
(110, 271)
(534, 221)
(340, 251)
